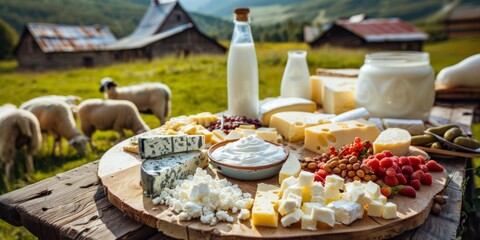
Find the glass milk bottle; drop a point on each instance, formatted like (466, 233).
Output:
(242, 69)
(295, 81)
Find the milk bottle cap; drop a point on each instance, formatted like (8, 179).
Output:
(241, 14)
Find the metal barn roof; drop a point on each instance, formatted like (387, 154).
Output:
(71, 38)
(380, 30)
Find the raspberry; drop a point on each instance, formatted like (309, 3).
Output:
(401, 179)
(380, 172)
(422, 159)
(408, 191)
(386, 191)
(387, 153)
(391, 172)
(427, 179)
(433, 166)
(407, 169)
(380, 156)
(322, 173)
(391, 181)
(386, 162)
(403, 161)
(417, 175)
(423, 168)
(414, 161)
(415, 184)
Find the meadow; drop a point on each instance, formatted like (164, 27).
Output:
(198, 84)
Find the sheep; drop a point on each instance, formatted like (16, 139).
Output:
(56, 118)
(110, 115)
(18, 128)
(71, 100)
(148, 97)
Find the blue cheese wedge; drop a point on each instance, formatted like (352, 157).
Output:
(160, 173)
(158, 145)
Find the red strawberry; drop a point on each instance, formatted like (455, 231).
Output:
(403, 161)
(380, 156)
(416, 175)
(401, 179)
(433, 166)
(386, 162)
(423, 168)
(374, 164)
(427, 179)
(408, 191)
(319, 179)
(322, 173)
(415, 184)
(407, 169)
(387, 153)
(414, 161)
(399, 169)
(391, 172)
(391, 181)
(386, 191)
(422, 159)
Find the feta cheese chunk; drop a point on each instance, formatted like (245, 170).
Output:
(375, 209)
(372, 189)
(308, 206)
(324, 214)
(389, 211)
(286, 206)
(308, 223)
(305, 179)
(346, 212)
(291, 218)
(334, 181)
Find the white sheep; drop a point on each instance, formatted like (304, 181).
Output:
(18, 128)
(71, 100)
(56, 118)
(148, 97)
(99, 114)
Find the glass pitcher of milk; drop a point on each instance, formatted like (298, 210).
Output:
(295, 81)
(242, 69)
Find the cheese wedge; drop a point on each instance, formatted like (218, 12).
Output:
(291, 125)
(319, 138)
(271, 107)
(394, 139)
(291, 167)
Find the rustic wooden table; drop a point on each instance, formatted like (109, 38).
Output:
(72, 205)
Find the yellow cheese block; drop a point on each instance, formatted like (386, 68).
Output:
(271, 107)
(339, 95)
(263, 210)
(291, 125)
(267, 135)
(319, 138)
(317, 84)
(396, 140)
(291, 167)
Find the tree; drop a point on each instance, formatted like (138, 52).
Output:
(8, 40)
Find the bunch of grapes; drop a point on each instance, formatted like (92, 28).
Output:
(232, 122)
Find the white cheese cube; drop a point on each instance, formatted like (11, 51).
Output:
(382, 199)
(372, 189)
(287, 182)
(291, 218)
(317, 189)
(319, 199)
(351, 185)
(346, 212)
(287, 206)
(389, 211)
(308, 206)
(334, 181)
(375, 209)
(295, 197)
(306, 179)
(308, 223)
(324, 214)
(295, 189)
(331, 193)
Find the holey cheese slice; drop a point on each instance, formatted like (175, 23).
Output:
(291, 125)
(276, 105)
(396, 140)
(319, 138)
(160, 173)
(263, 210)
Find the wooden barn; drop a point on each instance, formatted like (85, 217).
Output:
(463, 21)
(380, 34)
(165, 29)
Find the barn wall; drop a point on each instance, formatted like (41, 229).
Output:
(176, 17)
(29, 54)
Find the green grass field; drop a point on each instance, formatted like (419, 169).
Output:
(198, 84)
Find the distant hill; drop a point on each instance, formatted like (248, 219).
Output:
(271, 20)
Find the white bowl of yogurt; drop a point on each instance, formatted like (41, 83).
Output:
(248, 158)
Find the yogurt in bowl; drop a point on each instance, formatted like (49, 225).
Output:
(248, 158)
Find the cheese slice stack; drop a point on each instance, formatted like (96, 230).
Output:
(319, 138)
(291, 125)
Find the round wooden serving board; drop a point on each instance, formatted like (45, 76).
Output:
(119, 173)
